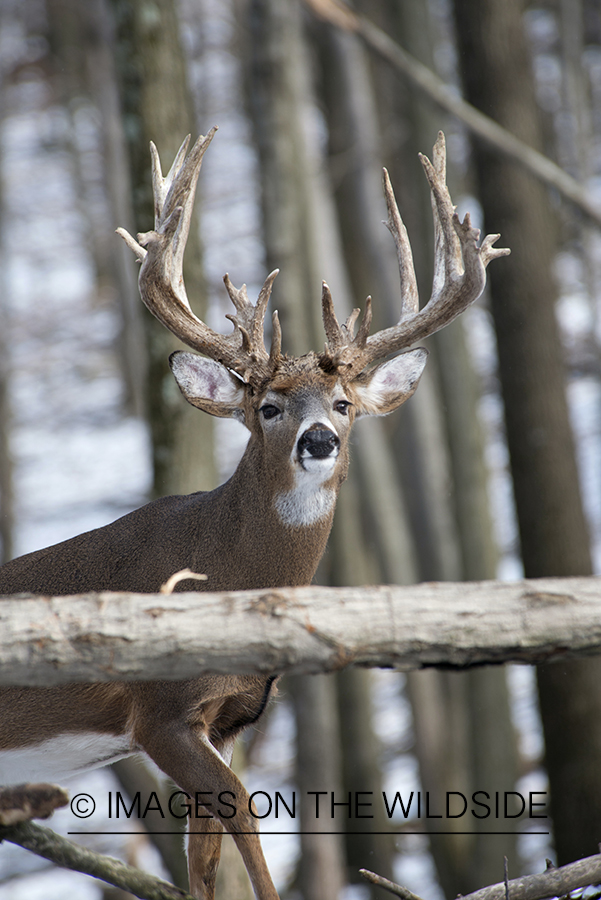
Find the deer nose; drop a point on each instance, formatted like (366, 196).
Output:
(318, 443)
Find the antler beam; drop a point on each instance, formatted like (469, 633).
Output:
(161, 279)
(459, 277)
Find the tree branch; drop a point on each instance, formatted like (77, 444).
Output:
(68, 855)
(397, 889)
(22, 802)
(108, 637)
(552, 883)
(449, 99)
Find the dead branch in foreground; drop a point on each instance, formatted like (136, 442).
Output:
(553, 882)
(107, 637)
(22, 802)
(27, 801)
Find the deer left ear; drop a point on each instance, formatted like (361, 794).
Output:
(382, 389)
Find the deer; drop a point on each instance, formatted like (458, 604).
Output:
(266, 527)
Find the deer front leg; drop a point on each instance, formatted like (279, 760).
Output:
(187, 756)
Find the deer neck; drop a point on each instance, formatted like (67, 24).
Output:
(279, 526)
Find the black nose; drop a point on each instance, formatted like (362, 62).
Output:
(318, 442)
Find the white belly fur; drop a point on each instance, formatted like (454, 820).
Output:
(61, 756)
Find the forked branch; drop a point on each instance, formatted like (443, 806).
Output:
(554, 882)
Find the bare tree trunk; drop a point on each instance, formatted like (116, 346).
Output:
(370, 845)
(6, 483)
(553, 531)
(474, 706)
(320, 873)
(280, 99)
(82, 40)
(102, 79)
(150, 88)
(157, 106)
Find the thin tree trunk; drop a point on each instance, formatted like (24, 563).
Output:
(6, 482)
(280, 100)
(102, 80)
(166, 834)
(320, 873)
(553, 532)
(82, 40)
(157, 106)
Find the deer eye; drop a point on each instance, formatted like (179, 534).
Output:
(342, 406)
(269, 411)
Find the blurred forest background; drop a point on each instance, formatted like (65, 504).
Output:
(492, 470)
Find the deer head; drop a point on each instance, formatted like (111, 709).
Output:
(300, 410)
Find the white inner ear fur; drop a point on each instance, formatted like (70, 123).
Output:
(205, 379)
(390, 383)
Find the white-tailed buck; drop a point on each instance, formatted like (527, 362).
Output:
(266, 527)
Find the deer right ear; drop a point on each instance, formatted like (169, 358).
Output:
(208, 385)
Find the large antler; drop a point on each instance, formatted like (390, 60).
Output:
(161, 278)
(459, 279)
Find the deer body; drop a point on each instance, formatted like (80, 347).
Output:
(266, 527)
(206, 532)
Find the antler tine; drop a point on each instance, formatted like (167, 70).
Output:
(348, 327)
(439, 174)
(261, 306)
(343, 348)
(448, 262)
(396, 226)
(363, 333)
(180, 184)
(488, 252)
(160, 185)
(276, 340)
(249, 319)
(330, 322)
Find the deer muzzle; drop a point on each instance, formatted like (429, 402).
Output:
(319, 443)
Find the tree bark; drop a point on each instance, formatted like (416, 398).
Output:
(108, 637)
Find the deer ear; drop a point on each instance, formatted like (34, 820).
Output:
(384, 388)
(208, 385)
